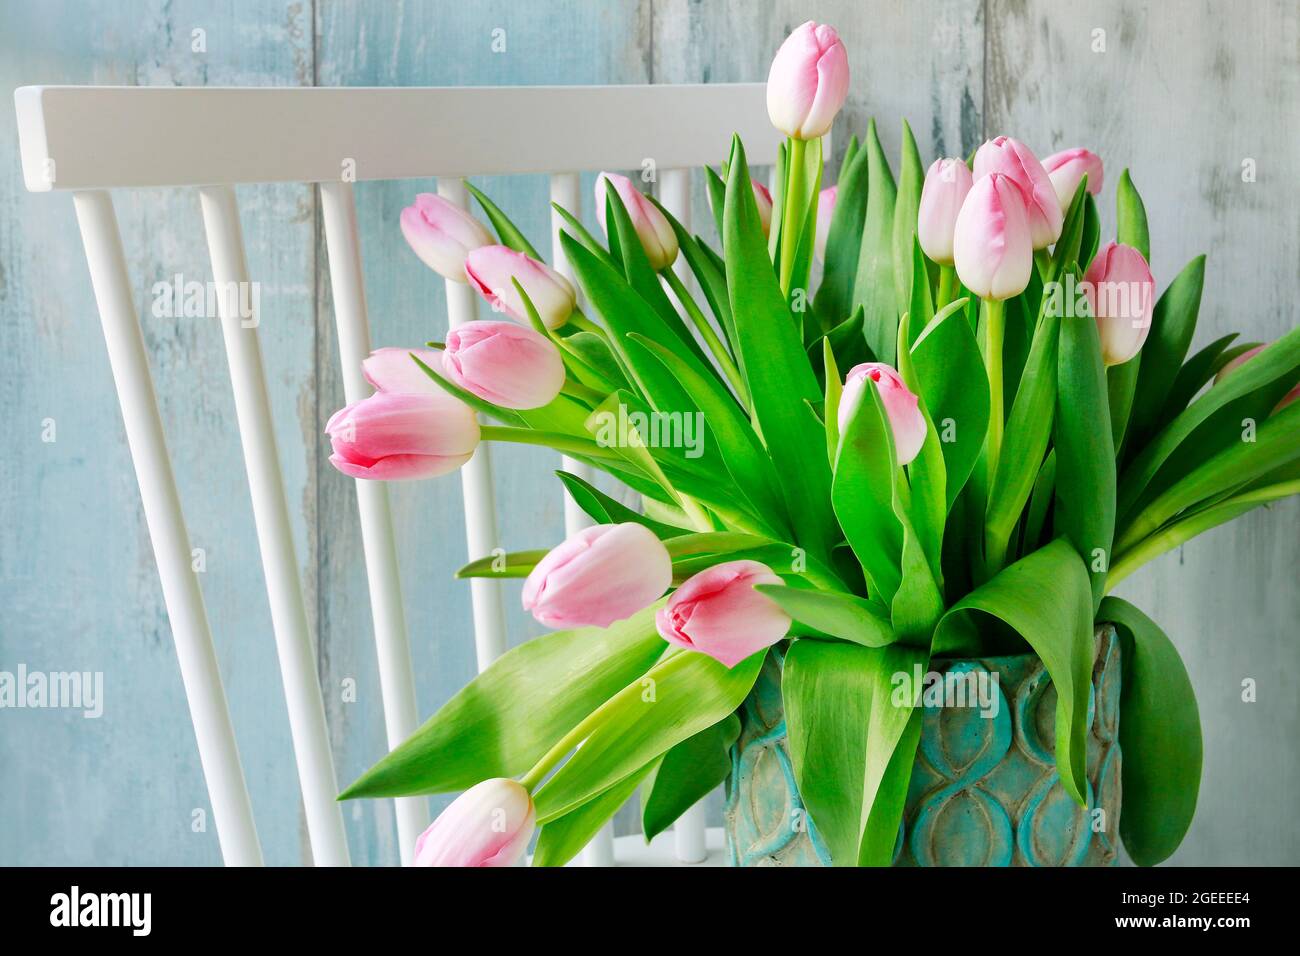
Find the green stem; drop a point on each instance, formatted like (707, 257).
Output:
(710, 337)
(578, 734)
(575, 389)
(994, 321)
(947, 286)
(567, 444)
(579, 320)
(791, 209)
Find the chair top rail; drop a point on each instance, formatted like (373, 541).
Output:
(102, 137)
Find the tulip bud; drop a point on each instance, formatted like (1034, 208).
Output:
(1067, 167)
(442, 234)
(392, 436)
(489, 824)
(1236, 362)
(490, 270)
(1017, 162)
(991, 245)
(808, 81)
(901, 405)
(393, 370)
(947, 182)
(654, 231)
(598, 576)
(503, 363)
(718, 612)
(1120, 291)
(763, 199)
(825, 211)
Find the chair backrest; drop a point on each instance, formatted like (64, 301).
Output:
(89, 140)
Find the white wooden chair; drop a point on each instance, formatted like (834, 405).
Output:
(89, 140)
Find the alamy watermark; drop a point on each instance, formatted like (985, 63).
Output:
(956, 687)
(655, 429)
(68, 690)
(207, 300)
(1078, 298)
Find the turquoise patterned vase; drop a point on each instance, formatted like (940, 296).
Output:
(984, 790)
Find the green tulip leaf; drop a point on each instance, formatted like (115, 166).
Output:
(843, 241)
(1085, 453)
(775, 367)
(846, 617)
(516, 564)
(606, 510)
(1131, 217)
(874, 279)
(1159, 734)
(677, 698)
(1046, 598)
(687, 774)
(507, 231)
(504, 720)
(563, 838)
(907, 204)
(1173, 323)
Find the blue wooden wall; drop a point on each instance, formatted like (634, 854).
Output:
(1183, 94)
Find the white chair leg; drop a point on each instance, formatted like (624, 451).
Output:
(396, 682)
(476, 485)
(675, 194)
(566, 192)
(275, 538)
(231, 810)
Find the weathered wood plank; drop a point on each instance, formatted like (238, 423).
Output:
(1184, 95)
(78, 572)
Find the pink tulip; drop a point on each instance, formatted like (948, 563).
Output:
(442, 234)
(598, 576)
(1120, 291)
(654, 231)
(763, 199)
(825, 211)
(1067, 167)
(503, 363)
(947, 183)
(393, 370)
(991, 244)
(718, 612)
(489, 824)
(901, 405)
(491, 269)
(1014, 160)
(808, 81)
(1236, 362)
(392, 436)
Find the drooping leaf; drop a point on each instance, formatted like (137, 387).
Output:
(563, 838)
(1277, 363)
(687, 774)
(833, 613)
(606, 510)
(516, 564)
(676, 699)
(1159, 734)
(1046, 598)
(504, 720)
(1276, 442)
(844, 724)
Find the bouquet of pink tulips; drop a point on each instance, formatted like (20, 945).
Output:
(982, 421)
